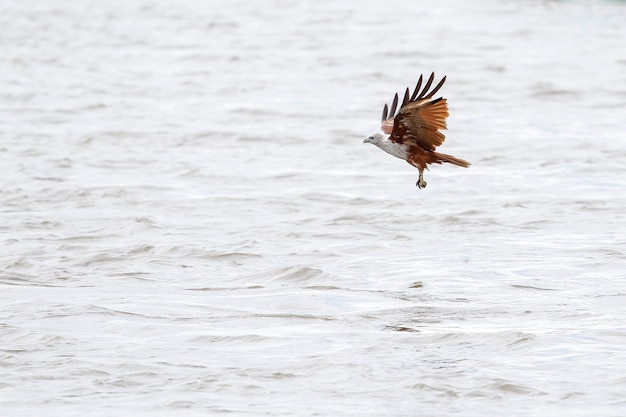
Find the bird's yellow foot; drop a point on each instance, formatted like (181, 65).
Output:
(420, 182)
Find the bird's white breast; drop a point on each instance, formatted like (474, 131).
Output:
(393, 148)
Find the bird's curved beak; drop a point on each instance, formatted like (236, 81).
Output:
(366, 140)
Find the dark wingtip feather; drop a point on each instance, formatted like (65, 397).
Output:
(432, 93)
(417, 88)
(406, 97)
(427, 86)
(417, 95)
(392, 113)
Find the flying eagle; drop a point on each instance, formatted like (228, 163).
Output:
(414, 132)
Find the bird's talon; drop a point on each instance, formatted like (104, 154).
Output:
(420, 182)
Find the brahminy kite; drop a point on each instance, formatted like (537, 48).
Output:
(413, 133)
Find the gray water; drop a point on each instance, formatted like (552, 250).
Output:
(191, 224)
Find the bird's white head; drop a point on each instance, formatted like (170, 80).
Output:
(374, 139)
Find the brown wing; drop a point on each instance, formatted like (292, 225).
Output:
(421, 122)
(419, 118)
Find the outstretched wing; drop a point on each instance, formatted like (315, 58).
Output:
(419, 118)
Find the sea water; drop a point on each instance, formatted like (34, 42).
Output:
(191, 224)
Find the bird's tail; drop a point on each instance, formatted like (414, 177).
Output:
(442, 157)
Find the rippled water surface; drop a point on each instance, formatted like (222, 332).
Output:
(191, 224)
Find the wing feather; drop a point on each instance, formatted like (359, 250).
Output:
(394, 104)
(437, 87)
(387, 125)
(427, 86)
(417, 88)
(406, 98)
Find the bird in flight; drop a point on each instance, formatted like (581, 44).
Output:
(413, 133)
